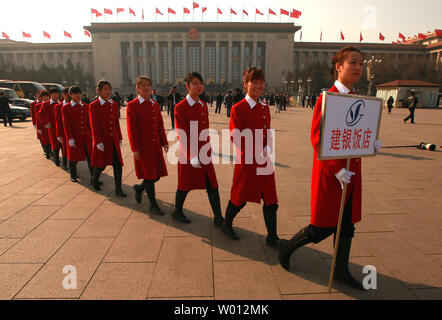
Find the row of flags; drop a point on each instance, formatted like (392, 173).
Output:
(46, 34)
(292, 14)
(381, 37)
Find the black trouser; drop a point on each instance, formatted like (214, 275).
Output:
(218, 108)
(118, 169)
(172, 116)
(228, 111)
(317, 234)
(7, 117)
(73, 165)
(411, 115)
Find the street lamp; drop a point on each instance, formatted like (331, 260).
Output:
(292, 82)
(64, 82)
(370, 72)
(309, 80)
(285, 86)
(299, 91)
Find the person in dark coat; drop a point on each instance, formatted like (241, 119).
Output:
(228, 101)
(173, 98)
(390, 103)
(5, 111)
(412, 103)
(219, 102)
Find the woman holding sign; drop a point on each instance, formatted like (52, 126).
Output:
(328, 179)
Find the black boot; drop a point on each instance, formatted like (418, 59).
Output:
(118, 172)
(272, 239)
(298, 240)
(215, 203)
(179, 202)
(231, 212)
(56, 157)
(153, 207)
(73, 171)
(65, 164)
(342, 274)
(139, 188)
(48, 153)
(94, 181)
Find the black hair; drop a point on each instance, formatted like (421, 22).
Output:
(65, 90)
(74, 90)
(53, 90)
(193, 75)
(102, 83)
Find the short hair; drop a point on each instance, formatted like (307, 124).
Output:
(252, 74)
(53, 90)
(193, 75)
(44, 93)
(65, 90)
(340, 58)
(74, 90)
(140, 80)
(2, 93)
(102, 83)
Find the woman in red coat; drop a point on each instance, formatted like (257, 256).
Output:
(328, 179)
(34, 117)
(42, 130)
(147, 139)
(106, 136)
(77, 131)
(195, 167)
(59, 127)
(46, 115)
(253, 178)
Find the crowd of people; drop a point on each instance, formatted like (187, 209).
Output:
(91, 132)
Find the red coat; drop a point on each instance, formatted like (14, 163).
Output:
(326, 189)
(190, 178)
(59, 127)
(44, 135)
(34, 119)
(105, 125)
(146, 133)
(46, 114)
(76, 126)
(247, 184)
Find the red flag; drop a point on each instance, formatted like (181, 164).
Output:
(295, 14)
(245, 12)
(47, 35)
(120, 10)
(196, 5)
(342, 36)
(232, 11)
(300, 37)
(158, 11)
(4, 35)
(107, 11)
(186, 11)
(272, 12)
(320, 38)
(401, 36)
(131, 12)
(219, 11)
(67, 34)
(87, 33)
(285, 12)
(142, 14)
(94, 11)
(26, 35)
(421, 36)
(259, 12)
(97, 14)
(204, 9)
(381, 37)
(170, 11)
(360, 37)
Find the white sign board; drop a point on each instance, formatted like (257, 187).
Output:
(349, 126)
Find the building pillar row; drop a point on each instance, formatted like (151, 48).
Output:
(203, 59)
(133, 59)
(242, 57)
(229, 62)
(255, 52)
(157, 62)
(217, 64)
(170, 59)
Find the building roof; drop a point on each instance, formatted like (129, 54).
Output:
(407, 83)
(186, 26)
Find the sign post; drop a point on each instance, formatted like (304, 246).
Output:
(349, 128)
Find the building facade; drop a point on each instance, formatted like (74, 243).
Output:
(168, 51)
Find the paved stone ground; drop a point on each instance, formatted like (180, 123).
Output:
(121, 251)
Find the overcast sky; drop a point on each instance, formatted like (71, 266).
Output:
(352, 17)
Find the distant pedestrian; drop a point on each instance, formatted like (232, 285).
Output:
(412, 103)
(5, 111)
(390, 104)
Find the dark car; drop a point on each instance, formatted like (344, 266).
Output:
(57, 86)
(14, 99)
(20, 113)
(24, 89)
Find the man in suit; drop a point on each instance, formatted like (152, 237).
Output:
(219, 102)
(5, 111)
(173, 98)
(228, 100)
